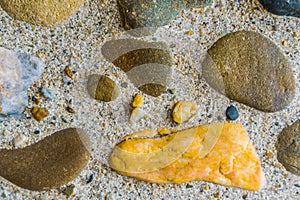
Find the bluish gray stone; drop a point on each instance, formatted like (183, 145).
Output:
(17, 72)
(149, 13)
(282, 7)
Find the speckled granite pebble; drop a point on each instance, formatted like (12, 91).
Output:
(40, 11)
(288, 148)
(50, 163)
(249, 68)
(282, 7)
(17, 72)
(102, 88)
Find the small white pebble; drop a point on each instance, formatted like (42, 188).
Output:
(136, 115)
(19, 140)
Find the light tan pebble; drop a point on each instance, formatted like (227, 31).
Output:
(164, 131)
(184, 111)
(19, 140)
(138, 101)
(136, 115)
(39, 113)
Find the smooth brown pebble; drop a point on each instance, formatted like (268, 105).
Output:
(251, 69)
(50, 163)
(102, 88)
(41, 12)
(288, 148)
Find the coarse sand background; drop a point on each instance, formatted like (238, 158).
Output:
(77, 44)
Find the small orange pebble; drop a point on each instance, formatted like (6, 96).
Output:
(164, 131)
(202, 11)
(270, 154)
(191, 32)
(217, 195)
(284, 43)
(68, 72)
(296, 34)
(138, 101)
(39, 113)
(206, 187)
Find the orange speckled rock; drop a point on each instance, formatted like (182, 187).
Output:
(221, 153)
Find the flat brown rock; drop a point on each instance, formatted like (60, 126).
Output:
(288, 148)
(249, 68)
(50, 163)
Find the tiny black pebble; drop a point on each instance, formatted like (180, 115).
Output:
(232, 113)
(297, 185)
(37, 132)
(189, 186)
(64, 120)
(91, 178)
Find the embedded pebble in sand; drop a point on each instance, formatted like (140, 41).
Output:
(221, 153)
(147, 64)
(288, 148)
(50, 163)
(41, 12)
(39, 113)
(17, 72)
(136, 115)
(143, 13)
(184, 111)
(249, 68)
(102, 88)
(282, 7)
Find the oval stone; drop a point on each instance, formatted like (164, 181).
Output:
(282, 7)
(41, 12)
(50, 163)
(102, 88)
(288, 148)
(249, 68)
(144, 13)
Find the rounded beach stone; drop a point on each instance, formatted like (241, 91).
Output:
(102, 88)
(44, 12)
(288, 148)
(282, 7)
(145, 13)
(50, 163)
(249, 68)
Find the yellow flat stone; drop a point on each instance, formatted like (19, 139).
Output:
(221, 153)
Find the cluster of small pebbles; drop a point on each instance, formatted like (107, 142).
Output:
(73, 85)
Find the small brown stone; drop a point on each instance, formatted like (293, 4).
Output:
(288, 148)
(42, 12)
(102, 88)
(69, 190)
(39, 113)
(50, 163)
